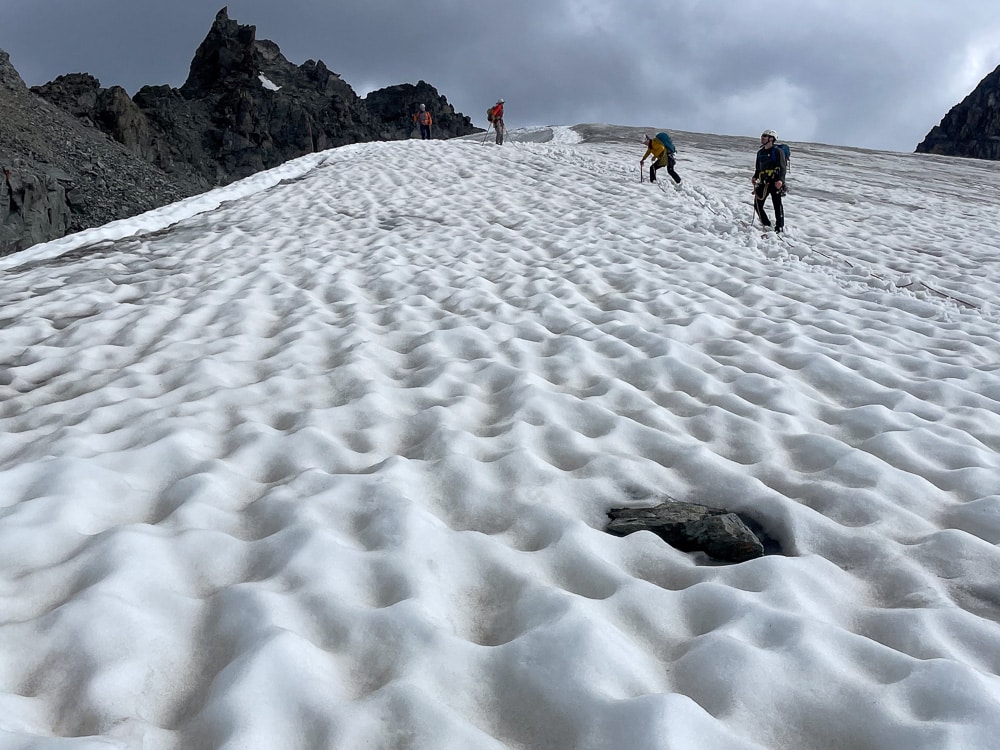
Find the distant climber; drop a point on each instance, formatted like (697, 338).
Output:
(495, 115)
(424, 120)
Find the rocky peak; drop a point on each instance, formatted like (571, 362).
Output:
(76, 93)
(9, 78)
(972, 127)
(226, 54)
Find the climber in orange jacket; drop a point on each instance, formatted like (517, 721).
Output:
(424, 120)
(496, 119)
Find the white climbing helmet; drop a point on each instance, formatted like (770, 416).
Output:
(770, 134)
(499, 101)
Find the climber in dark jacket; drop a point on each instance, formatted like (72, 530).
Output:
(768, 179)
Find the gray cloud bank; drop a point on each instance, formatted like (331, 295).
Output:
(869, 74)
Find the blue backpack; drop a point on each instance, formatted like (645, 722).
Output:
(665, 140)
(784, 147)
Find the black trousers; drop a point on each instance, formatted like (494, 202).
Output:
(763, 189)
(425, 132)
(660, 163)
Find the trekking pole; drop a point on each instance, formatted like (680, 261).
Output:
(507, 134)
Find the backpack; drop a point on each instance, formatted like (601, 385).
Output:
(788, 155)
(489, 114)
(665, 140)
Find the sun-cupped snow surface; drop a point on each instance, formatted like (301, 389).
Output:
(323, 459)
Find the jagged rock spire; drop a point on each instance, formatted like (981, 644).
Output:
(227, 53)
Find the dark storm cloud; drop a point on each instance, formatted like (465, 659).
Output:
(845, 72)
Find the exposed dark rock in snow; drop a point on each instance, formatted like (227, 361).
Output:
(691, 528)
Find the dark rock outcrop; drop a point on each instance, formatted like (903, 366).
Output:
(77, 155)
(33, 206)
(394, 107)
(691, 527)
(59, 174)
(971, 128)
(110, 110)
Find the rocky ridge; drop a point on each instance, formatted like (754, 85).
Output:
(76, 155)
(972, 127)
(59, 176)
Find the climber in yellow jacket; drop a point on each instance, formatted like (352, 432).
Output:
(661, 158)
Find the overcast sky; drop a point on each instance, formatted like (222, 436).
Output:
(870, 73)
